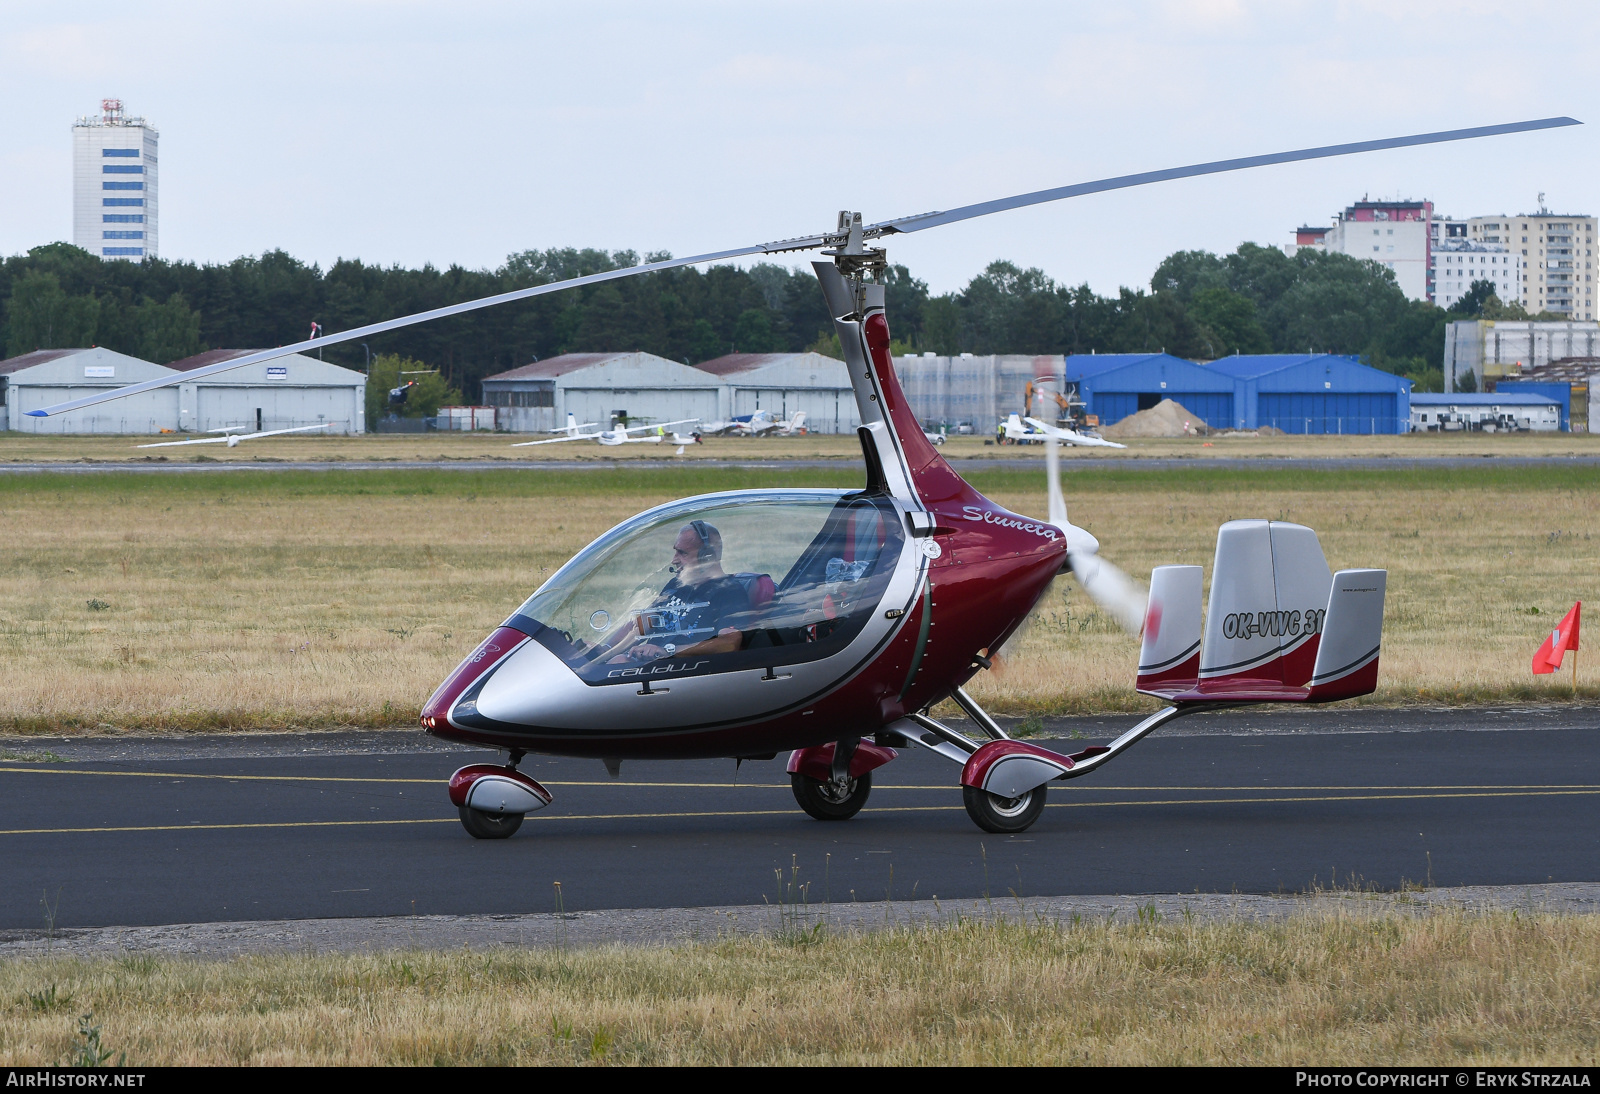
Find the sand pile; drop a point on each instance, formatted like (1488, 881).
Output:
(1165, 419)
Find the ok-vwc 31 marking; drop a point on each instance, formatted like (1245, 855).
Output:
(834, 620)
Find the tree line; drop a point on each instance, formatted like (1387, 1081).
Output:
(1198, 305)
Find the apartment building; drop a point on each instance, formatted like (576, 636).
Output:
(1556, 251)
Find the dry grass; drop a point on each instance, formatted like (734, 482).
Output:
(1444, 990)
(29, 448)
(317, 599)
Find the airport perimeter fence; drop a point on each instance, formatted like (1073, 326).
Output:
(1337, 426)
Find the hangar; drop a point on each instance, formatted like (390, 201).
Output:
(785, 383)
(35, 380)
(597, 387)
(280, 394)
(1316, 393)
(1115, 385)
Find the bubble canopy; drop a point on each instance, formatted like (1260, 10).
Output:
(768, 578)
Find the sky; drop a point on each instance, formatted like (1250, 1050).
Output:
(459, 133)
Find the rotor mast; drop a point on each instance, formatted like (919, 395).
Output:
(850, 254)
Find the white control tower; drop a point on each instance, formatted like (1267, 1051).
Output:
(114, 184)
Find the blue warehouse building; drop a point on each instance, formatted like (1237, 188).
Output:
(1297, 393)
(1318, 393)
(1115, 385)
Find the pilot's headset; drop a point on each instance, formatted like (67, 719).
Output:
(708, 553)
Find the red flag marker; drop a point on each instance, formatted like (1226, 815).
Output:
(1562, 639)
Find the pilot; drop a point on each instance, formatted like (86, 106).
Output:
(696, 599)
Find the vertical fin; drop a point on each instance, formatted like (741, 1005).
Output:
(1169, 656)
(1269, 589)
(1347, 659)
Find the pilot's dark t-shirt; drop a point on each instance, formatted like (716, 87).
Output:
(693, 613)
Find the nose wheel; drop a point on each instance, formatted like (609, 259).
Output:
(492, 799)
(1000, 815)
(481, 825)
(831, 799)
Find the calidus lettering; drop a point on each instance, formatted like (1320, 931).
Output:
(654, 670)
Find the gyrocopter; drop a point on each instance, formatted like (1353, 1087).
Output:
(828, 623)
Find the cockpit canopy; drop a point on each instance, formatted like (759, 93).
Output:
(775, 578)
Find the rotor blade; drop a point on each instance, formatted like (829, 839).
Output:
(408, 320)
(984, 208)
(802, 243)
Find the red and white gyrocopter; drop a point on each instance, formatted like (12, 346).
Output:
(827, 623)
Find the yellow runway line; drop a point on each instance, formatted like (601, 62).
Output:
(201, 827)
(1077, 787)
(369, 779)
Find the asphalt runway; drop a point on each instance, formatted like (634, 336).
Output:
(130, 835)
(962, 464)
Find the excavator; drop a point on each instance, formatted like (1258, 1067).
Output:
(1074, 411)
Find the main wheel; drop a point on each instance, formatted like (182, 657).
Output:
(828, 801)
(993, 813)
(481, 825)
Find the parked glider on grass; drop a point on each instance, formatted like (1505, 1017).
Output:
(1068, 436)
(752, 622)
(611, 436)
(232, 439)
